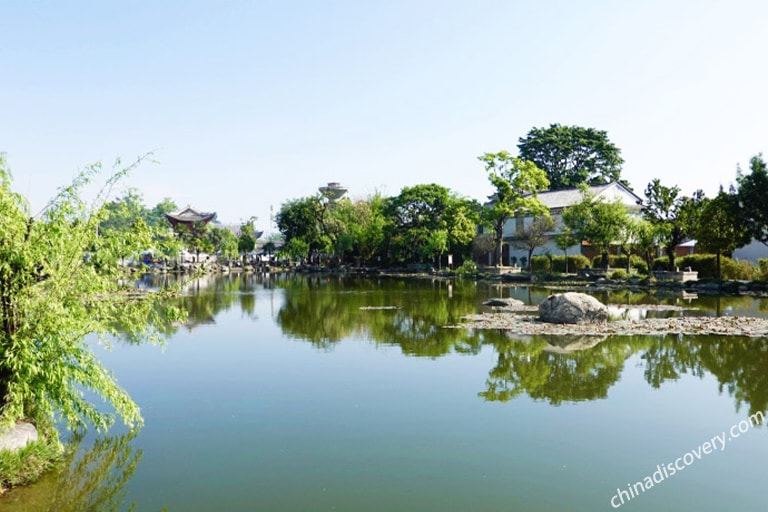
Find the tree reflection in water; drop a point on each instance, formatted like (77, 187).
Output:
(86, 480)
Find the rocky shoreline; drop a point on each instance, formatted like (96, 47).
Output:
(523, 320)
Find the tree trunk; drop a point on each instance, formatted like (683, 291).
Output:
(671, 256)
(719, 275)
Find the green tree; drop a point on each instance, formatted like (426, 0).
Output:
(751, 195)
(120, 214)
(368, 231)
(673, 215)
(572, 155)
(720, 228)
(298, 220)
(155, 217)
(59, 282)
(195, 236)
(516, 183)
(412, 216)
(600, 222)
(534, 236)
(224, 242)
(246, 242)
(461, 218)
(646, 236)
(564, 240)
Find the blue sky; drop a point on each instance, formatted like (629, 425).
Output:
(249, 104)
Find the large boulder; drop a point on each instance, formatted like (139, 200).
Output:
(18, 437)
(572, 308)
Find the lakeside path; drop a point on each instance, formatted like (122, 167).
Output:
(524, 321)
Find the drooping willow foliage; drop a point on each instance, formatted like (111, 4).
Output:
(59, 283)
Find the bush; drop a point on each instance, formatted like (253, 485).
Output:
(743, 270)
(763, 270)
(619, 274)
(469, 267)
(576, 262)
(661, 263)
(706, 266)
(620, 262)
(540, 264)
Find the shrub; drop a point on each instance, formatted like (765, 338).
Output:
(469, 267)
(661, 263)
(619, 274)
(763, 271)
(540, 264)
(620, 261)
(738, 269)
(576, 262)
(706, 266)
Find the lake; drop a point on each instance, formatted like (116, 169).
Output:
(324, 393)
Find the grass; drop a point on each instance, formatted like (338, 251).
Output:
(29, 463)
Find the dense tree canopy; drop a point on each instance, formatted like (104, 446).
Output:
(572, 155)
(673, 215)
(516, 183)
(752, 197)
(720, 228)
(601, 223)
(425, 221)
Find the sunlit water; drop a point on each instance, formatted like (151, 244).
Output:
(326, 394)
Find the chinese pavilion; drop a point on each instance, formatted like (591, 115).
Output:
(188, 216)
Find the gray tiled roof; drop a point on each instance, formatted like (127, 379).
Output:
(554, 199)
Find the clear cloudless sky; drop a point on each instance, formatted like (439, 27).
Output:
(248, 104)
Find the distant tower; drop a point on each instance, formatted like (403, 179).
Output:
(333, 191)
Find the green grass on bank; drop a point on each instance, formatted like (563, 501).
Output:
(29, 463)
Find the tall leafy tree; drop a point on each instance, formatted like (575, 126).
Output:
(720, 228)
(673, 215)
(516, 183)
(298, 221)
(462, 217)
(752, 200)
(572, 155)
(645, 237)
(601, 223)
(361, 227)
(412, 216)
(155, 217)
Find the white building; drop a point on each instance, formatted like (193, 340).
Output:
(557, 201)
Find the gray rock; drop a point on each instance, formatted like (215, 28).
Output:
(504, 303)
(572, 308)
(18, 437)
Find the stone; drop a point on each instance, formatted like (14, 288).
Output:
(18, 437)
(572, 308)
(504, 303)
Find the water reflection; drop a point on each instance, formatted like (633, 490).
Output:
(554, 369)
(91, 479)
(411, 314)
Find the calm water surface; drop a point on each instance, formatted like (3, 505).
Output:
(309, 394)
